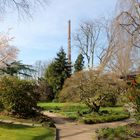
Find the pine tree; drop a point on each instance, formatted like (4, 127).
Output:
(58, 71)
(62, 68)
(79, 63)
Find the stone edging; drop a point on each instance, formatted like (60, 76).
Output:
(13, 122)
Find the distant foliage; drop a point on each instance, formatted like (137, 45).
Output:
(79, 63)
(44, 90)
(18, 97)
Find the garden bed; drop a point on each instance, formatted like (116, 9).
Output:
(128, 132)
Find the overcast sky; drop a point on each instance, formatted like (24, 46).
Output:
(41, 37)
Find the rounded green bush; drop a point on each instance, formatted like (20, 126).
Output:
(18, 97)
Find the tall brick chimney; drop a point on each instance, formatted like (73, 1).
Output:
(69, 41)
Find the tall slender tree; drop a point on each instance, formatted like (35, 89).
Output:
(58, 71)
(79, 63)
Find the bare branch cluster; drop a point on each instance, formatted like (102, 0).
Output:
(86, 39)
(23, 7)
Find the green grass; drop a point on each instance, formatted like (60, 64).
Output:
(71, 110)
(64, 107)
(21, 132)
(72, 107)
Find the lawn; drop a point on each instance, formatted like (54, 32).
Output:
(77, 111)
(22, 132)
(63, 107)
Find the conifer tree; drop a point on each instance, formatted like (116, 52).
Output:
(58, 71)
(62, 68)
(79, 63)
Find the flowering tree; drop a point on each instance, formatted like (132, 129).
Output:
(8, 52)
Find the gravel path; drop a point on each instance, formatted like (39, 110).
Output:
(68, 130)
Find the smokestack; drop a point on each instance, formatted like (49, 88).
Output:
(69, 41)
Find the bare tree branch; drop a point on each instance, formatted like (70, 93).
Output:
(23, 7)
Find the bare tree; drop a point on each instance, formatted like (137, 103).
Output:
(39, 67)
(108, 50)
(126, 37)
(118, 54)
(23, 7)
(86, 39)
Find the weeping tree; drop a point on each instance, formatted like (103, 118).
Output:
(128, 22)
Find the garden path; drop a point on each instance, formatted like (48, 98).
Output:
(68, 130)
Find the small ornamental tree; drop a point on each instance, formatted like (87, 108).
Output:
(18, 97)
(92, 88)
(79, 63)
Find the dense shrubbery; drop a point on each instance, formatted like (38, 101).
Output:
(96, 118)
(1, 106)
(18, 97)
(110, 100)
(119, 133)
(133, 96)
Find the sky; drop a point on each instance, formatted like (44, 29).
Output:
(41, 37)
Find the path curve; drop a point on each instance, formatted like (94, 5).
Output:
(69, 130)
